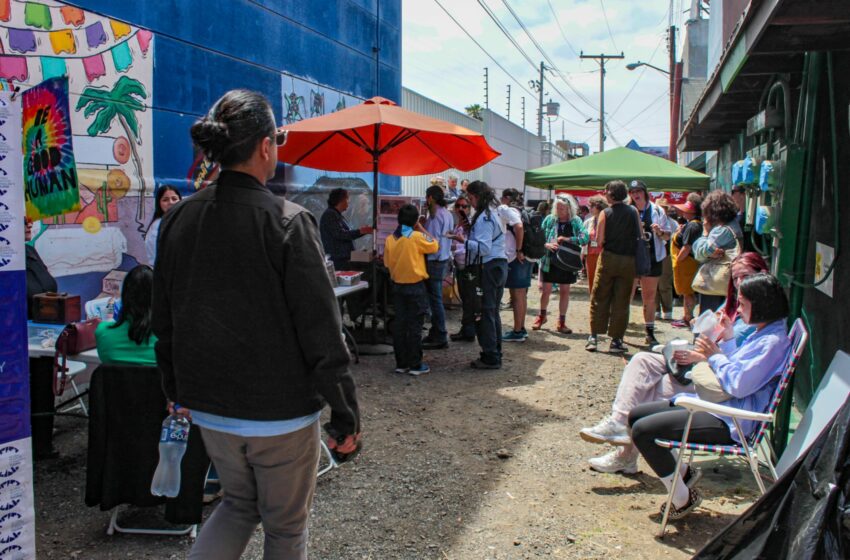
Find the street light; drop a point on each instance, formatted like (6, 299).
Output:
(638, 64)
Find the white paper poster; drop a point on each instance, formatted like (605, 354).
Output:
(824, 255)
(17, 518)
(12, 257)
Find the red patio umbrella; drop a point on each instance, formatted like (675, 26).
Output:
(380, 136)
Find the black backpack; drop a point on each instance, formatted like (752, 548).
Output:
(533, 237)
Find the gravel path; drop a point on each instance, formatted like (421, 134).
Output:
(457, 464)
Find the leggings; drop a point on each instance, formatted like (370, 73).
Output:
(664, 420)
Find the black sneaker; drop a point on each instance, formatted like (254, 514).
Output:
(650, 340)
(461, 337)
(481, 364)
(591, 344)
(617, 346)
(431, 344)
(694, 500)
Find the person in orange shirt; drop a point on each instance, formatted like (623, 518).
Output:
(404, 256)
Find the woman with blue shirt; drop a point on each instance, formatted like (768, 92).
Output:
(721, 237)
(748, 373)
(645, 379)
(439, 225)
(486, 244)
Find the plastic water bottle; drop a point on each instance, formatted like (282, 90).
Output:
(172, 445)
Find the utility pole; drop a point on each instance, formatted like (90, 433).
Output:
(486, 89)
(509, 102)
(523, 112)
(540, 104)
(601, 59)
(674, 102)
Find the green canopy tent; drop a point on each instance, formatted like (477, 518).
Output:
(594, 171)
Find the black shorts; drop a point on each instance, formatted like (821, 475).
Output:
(655, 270)
(558, 276)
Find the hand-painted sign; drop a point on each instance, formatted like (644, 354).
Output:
(50, 173)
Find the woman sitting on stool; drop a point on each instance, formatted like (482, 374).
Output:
(749, 374)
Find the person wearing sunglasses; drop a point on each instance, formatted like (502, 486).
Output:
(248, 330)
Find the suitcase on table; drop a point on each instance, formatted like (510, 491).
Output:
(56, 307)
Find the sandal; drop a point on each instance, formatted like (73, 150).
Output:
(694, 500)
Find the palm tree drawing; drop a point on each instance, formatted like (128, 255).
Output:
(121, 103)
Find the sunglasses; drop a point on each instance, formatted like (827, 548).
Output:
(280, 137)
(461, 205)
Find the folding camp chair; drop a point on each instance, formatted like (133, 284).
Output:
(65, 408)
(750, 447)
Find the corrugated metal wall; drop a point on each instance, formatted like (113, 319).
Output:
(416, 185)
(520, 148)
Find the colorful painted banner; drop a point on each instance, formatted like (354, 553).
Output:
(50, 173)
(17, 516)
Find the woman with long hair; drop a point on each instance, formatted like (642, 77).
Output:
(166, 197)
(646, 379)
(561, 226)
(486, 246)
(681, 248)
(130, 340)
(465, 290)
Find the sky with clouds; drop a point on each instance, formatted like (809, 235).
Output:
(441, 62)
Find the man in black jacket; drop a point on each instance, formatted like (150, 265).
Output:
(250, 335)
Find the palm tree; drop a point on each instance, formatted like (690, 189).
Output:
(120, 103)
(474, 111)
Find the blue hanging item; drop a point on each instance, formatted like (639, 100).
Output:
(749, 171)
(764, 220)
(767, 178)
(737, 172)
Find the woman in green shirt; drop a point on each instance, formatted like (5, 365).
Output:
(129, 340)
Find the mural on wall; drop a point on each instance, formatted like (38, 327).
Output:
(310, 187)
(109, 66)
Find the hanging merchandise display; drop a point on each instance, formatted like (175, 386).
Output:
(50, 171)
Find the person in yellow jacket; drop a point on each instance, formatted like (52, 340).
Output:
(404, 256)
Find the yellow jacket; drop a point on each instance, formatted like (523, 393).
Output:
(405, 256)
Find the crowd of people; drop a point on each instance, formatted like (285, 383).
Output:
(239, 297)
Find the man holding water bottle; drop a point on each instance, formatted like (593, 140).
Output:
(250, 339)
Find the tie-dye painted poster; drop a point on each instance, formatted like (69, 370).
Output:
(50, 172)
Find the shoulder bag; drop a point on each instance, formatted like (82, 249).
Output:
(712, 277)
(74, 339)
(706, 384)
(568, 255)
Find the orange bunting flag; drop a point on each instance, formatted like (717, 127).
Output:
(73, 16)
(119, 28)
(63, 41)
(5, 10)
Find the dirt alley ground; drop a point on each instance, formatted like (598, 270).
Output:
(457, 464)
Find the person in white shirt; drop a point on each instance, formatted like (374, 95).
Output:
(519, 268)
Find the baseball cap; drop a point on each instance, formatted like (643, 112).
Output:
(688, 207)
(739, 189)
(637, 184)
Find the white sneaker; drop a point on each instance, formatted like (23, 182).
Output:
(618, 461)
(607, 431)
(668, 316)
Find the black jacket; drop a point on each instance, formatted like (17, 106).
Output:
(39, 279)
(244, 311)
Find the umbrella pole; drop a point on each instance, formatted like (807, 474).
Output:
(375, 348)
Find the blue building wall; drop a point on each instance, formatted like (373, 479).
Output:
(206, 47)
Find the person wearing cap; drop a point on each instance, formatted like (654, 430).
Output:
(684, 264)
(751, 239)
(664, 296)
(655, 227)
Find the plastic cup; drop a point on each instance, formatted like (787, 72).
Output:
(678, 345)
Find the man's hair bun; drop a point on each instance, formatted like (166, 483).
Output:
(211, 137)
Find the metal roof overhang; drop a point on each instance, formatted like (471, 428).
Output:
(771, 39)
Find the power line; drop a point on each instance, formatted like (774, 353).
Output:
(506, 33)
(634, 85)
(639, 113)
(608, 25)
(496, 62)
(561, 29)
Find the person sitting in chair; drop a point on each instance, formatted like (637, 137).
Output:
(748, 374)
(129, 340)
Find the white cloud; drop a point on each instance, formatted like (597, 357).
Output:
(441, 62)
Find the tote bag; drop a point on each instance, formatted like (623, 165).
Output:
(642, 264)
(712, 277)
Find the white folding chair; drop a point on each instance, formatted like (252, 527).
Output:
(73, 368)
(750, 447)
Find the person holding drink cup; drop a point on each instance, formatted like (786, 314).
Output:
(647, 378)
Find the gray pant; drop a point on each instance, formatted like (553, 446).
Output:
(265, 479)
